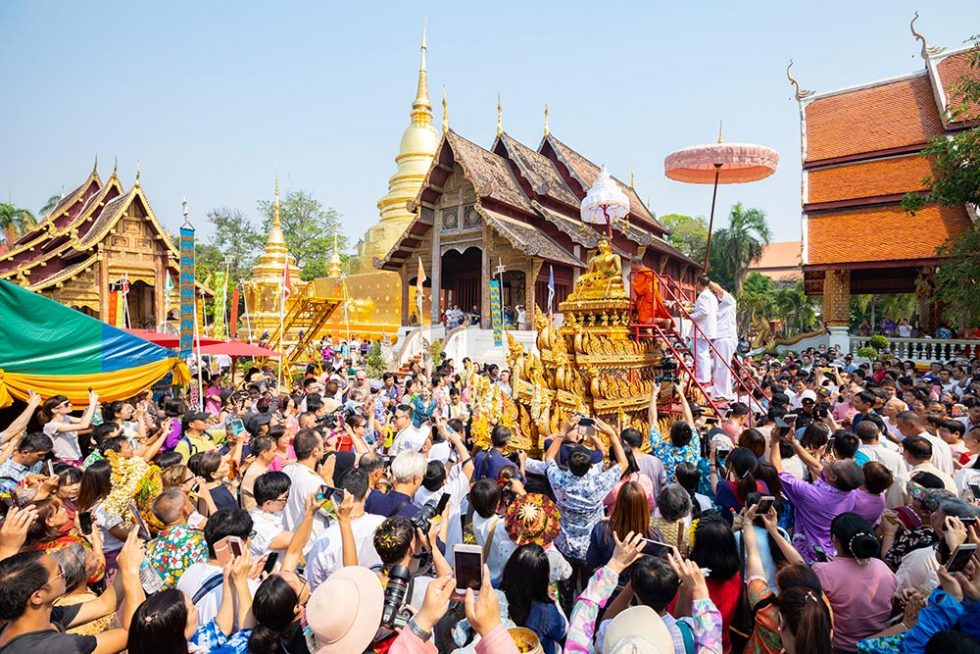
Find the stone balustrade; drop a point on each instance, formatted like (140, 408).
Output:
(923, 350)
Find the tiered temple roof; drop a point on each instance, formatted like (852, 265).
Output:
(531, 198)
(862, 153)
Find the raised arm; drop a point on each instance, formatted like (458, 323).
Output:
(19, 424)
(753, 563)
(652, 416)
(771, 519)
(294, 553)
(348, 545)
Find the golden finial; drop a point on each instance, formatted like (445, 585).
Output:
(547, 130)
(445, 111)
(115, 167)
(632, 179)
(422, 103)
(95, 166)
(927, 50)
(275, 207)
(137, 173)
(334, 268)
(720, 139)
(800, 93)
(500, 116)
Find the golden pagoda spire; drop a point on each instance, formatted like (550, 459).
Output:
(445, 111)
(137, 183)
(334, 268)
(500, 116)
(275, 235)
(95, 166)
(115, 167)
(421, 107)
(547, 131)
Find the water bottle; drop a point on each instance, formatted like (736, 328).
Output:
(150, 579)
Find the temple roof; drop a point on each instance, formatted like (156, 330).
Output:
(538, 170)
(490, 174)
(528, 239)
(882, 233)
(947, 69)
(584, 173)
(877, 180)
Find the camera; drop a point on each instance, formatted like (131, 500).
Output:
(393, 615)
(328, 421)
(423, 519)
(668, 370)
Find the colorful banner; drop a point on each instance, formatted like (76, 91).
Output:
(120, 318)
(113, 308)
(220, 297)
(186, 291)
(233, 325)
(496, 316)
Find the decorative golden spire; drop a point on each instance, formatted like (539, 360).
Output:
(275, 234)
(275, 206)
(720, 139)
(500, 116)
(547, 130)
(632, 178)
(445, 111)
(800, 93)
(334, 268)
(422, 108)
(95, 166)
(137, 183)
(115, 167)
(927, 50)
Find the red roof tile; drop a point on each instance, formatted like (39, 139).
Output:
(882, 117)
(881, 233)
(868, 179)
(951, 70)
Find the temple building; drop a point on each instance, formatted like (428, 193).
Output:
(515, 209)
(780, 262)
(861, 151)
(98, 238)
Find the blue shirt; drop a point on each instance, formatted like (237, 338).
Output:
(579, 500)
(664, 450)
(488, 463)
(14, 470)
(387, 504)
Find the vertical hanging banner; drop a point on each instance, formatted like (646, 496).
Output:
(113, 306)
(233, 325)
(220, 297)
(186, 291)
(496, 318)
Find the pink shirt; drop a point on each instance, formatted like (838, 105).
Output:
(843, 411)
(860, 595)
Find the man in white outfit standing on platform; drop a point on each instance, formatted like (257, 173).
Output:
(726, 340)
(705, 316)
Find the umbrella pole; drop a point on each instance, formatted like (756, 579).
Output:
(711, 219)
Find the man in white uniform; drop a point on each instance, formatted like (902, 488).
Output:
(705, 316)
(726, 340)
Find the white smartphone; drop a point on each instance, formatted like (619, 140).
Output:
(50, 468)
(468, 562)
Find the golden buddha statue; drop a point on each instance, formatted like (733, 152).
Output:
(604, 278)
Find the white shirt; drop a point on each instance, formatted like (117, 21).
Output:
(193, 579)
(942, 456)
(265, 526)
(327, 554)
(303, 481)
(66, 445)
(919, 570)
(408, 438)
(966, 476)
(706, 313)
(727, 326)
(886, 457)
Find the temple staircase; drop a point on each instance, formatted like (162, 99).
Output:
(309, 315)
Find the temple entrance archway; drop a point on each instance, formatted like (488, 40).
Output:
(462, 275)
(140, 303)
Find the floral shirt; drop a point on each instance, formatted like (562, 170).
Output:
(174, 550)
(765, 637)
(579, 500)
(209, 639)
(671, 455)
(907, 541)
(705, 623)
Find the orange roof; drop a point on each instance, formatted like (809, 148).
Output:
(950, 70)
(868, 179)
(881, 233)
(889, 115)
(784, 254)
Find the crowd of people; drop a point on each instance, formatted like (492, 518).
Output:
(831, 509)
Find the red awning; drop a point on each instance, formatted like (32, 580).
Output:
(236, 349)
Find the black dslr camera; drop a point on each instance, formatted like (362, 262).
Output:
(668, 370)
(423, 519)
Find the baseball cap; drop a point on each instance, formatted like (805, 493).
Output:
(191, 416)
(808, 395)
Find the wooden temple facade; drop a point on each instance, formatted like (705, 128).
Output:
(519, 207)
(95, 238)
(861, 150)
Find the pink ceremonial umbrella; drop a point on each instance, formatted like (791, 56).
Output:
(720, 163)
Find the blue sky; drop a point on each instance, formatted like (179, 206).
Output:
(211, 96)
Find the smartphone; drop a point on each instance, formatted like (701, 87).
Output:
(790, 417)
(968, 522)
(235, 545)
(765, 503)
(650, 547)
(270, 562)
(222, 550)
(85, 521)
(50, 468)
(961, 557)
(586, 422)
(329, 497)
(975, 489)
(722, 453)
(144, 531)
(588, 430)
(468, 562)
(237, 427)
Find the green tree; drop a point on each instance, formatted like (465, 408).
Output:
(237, 238)
(735, 247)
(955, 181)
(50, 204)
(756, 299)
(688, 234)
(15, 220)
(309, 229)
(795, 309)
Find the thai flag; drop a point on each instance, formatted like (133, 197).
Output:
(551, 287)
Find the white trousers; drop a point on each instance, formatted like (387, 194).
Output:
(702, 358)
(723, 374)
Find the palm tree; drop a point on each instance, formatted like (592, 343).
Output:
(795, 309)
(50, 204)
(741, 243)
(15, 221)
(757, 299)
